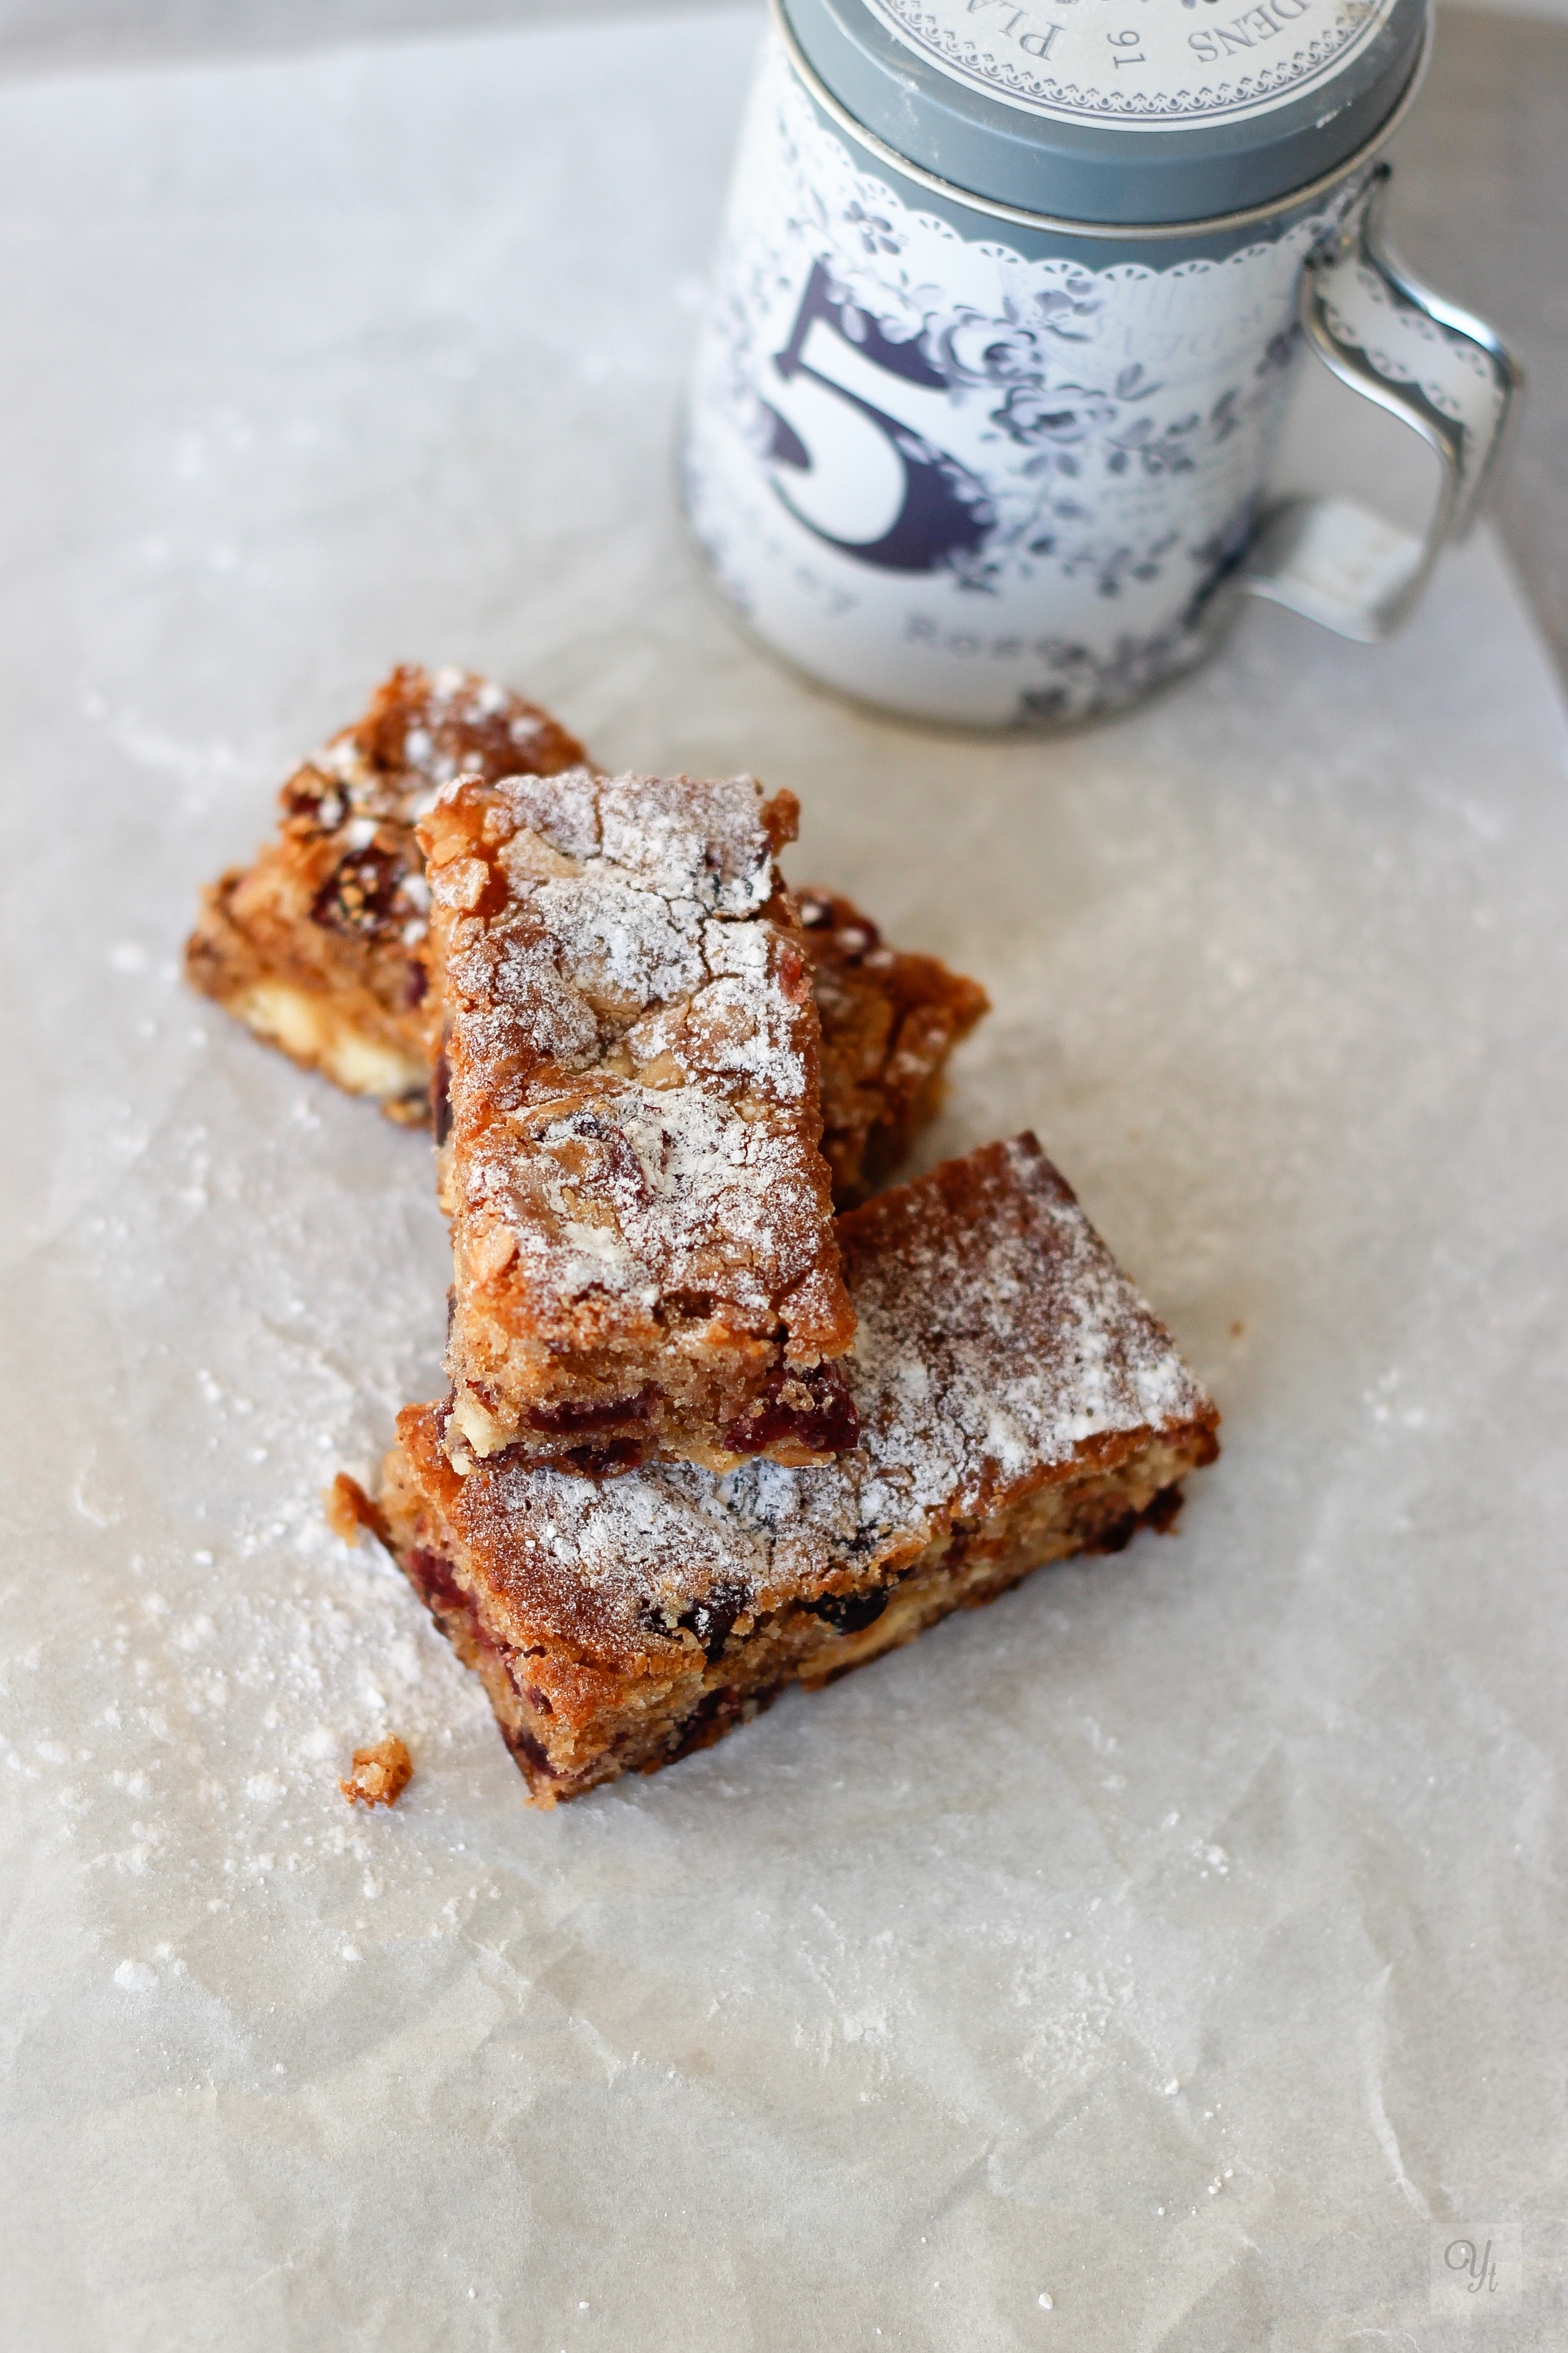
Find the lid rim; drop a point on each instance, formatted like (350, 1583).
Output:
(1129, 179)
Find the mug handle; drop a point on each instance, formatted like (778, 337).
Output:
(1445, 374)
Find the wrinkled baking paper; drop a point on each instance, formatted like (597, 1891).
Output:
(1170, 1956)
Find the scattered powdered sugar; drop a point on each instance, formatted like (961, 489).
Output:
(423, 730)
(706, 838)
(996, 1336)
(1038, 1343)
(648, 1034)
(566, 816)
(623, 946)
(514, 981)
(356, 799)
(676, 1522)
(697, 1194)
(680, 837)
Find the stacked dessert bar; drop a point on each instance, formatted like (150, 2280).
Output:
(318, 945)
(720, 1415)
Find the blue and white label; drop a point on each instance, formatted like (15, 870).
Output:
(962, 483)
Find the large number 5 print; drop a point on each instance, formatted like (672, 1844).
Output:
(852, 467)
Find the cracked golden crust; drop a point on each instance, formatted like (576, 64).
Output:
(628, 1119)
(318, 945)
(1017, 1401)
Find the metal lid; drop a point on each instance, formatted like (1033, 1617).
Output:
(1116, 110)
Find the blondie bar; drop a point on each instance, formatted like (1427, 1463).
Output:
(1017, 1402)
(626, 1108)
(889, 1023)
(317, 945)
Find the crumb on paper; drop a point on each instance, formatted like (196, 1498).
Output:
(380, 1775)
(349, 1509)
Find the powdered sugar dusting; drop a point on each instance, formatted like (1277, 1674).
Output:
(424, 728)
(997, 1335)
(633, 1048)
(622, 947)
(368, 784)
(1039, 1343)
(678, 837)
(695, 1192)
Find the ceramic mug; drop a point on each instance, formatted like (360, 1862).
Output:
(980, 464)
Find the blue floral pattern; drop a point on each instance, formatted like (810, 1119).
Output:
(1066, 443)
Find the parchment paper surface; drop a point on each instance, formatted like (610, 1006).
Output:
(1182, 1939)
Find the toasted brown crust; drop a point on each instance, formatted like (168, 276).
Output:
(573, 1724)
(1017, 1402)
(318, 945)
(646, 1264)
(889, 1021)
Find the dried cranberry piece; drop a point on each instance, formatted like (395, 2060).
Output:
(599, 1457)
(793, 973)
(1118, 1532)
(690, 1306)
(528, 1751)
(856, 940)
(441, 1100)
(576, 1414)
(594, 1459)
(711, 1619)
(851, 1613)
(827, 1423)
(433, 1578)
(357, 896)
(715, 1712)
(310, 795)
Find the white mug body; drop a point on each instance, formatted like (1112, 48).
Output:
(978, 472)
